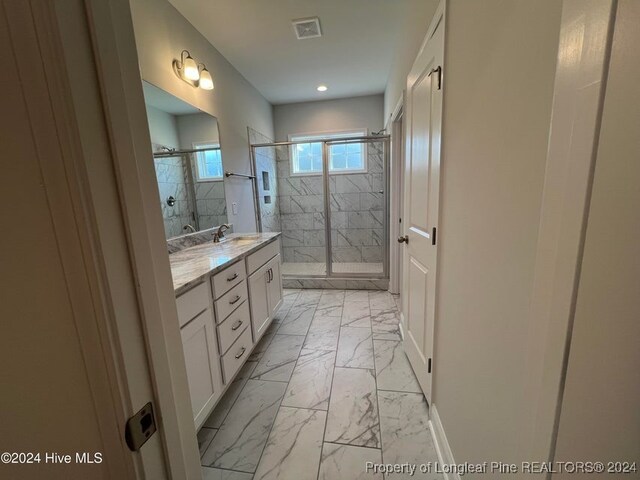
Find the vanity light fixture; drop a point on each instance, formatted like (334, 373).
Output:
(322, 88)
(206, 82)
(191, 72)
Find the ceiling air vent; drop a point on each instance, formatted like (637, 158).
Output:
(307, 28)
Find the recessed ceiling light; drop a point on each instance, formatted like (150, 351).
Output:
(322, 88)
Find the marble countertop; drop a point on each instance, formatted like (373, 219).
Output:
(192, 265)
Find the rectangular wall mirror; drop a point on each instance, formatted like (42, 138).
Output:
(188, 163)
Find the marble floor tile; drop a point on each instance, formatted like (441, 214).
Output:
(243, 434)
(346, 462)
(385, 324)
(308, 297)
(230, 396)
(393, 371)
(281, 313)
(381, 300)
(205, 435)
(355, 348)
(264, 342)
(353, 411)
(398, 300)
(356, 296)
(406, 437)
(310, 384)
(329, 309)
(290, 293)
(209, 473)
(279, 360)
(294, 446)
(323, 333)
(356, 314)
(297, 320)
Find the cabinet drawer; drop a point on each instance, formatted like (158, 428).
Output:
(262, 256)
(233, 326)
(191, 303)
(230, 277)
(236, 356)
(230, 301)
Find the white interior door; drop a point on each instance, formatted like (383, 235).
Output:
(422, 190)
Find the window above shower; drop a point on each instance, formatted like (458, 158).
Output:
(306, 158)
(208, 162)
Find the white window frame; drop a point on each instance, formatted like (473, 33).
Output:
(313, 137)
(198, 145)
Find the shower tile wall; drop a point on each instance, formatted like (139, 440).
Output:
(171, 175)
(211, 203)
(357, 220)
(265, 158)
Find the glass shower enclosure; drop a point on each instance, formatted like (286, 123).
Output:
(329, 199)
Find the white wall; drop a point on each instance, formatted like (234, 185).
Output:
(161, 34)
(600, 416)
(328, 115)
(406, 52)
(163, 128)
(499, 69)
(197, 128)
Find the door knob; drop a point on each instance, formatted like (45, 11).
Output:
(403, 239)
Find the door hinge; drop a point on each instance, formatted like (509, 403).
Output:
(437, 70)
(433, 236)
(429, 366)
(140, 428)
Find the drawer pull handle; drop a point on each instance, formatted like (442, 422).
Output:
(237, 325)
(231, 279)
(241, 352)
(235, 300)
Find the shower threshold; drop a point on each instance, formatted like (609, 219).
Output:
(298, 269)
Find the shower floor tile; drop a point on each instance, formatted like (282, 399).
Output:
(303, 269)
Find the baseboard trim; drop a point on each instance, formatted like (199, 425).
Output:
(401, 328)
(445, 456)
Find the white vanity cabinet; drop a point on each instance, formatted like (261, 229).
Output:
(265, 292)
(223, 318)
(200, 351)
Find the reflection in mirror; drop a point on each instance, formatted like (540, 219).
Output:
(188, 162)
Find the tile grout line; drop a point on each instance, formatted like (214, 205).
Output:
(285, 392)
(377, 396)
(333, 376)
(243, 387)
(235, 401)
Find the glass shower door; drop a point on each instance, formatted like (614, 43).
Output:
(294, 204)
(357, 207)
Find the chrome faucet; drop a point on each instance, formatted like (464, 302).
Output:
(189, 227)
(217, 236)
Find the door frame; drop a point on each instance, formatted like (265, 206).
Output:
(395, 126)
(438, 21)
(112, 67)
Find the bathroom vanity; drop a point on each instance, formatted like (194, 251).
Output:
(227, 294)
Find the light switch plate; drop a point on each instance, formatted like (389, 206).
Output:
(234, 208)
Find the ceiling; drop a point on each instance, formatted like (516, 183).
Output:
(353, 57)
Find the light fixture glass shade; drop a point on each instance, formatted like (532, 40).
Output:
(206, 82)
(190, 69)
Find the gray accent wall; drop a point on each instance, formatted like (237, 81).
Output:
(329, 115)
